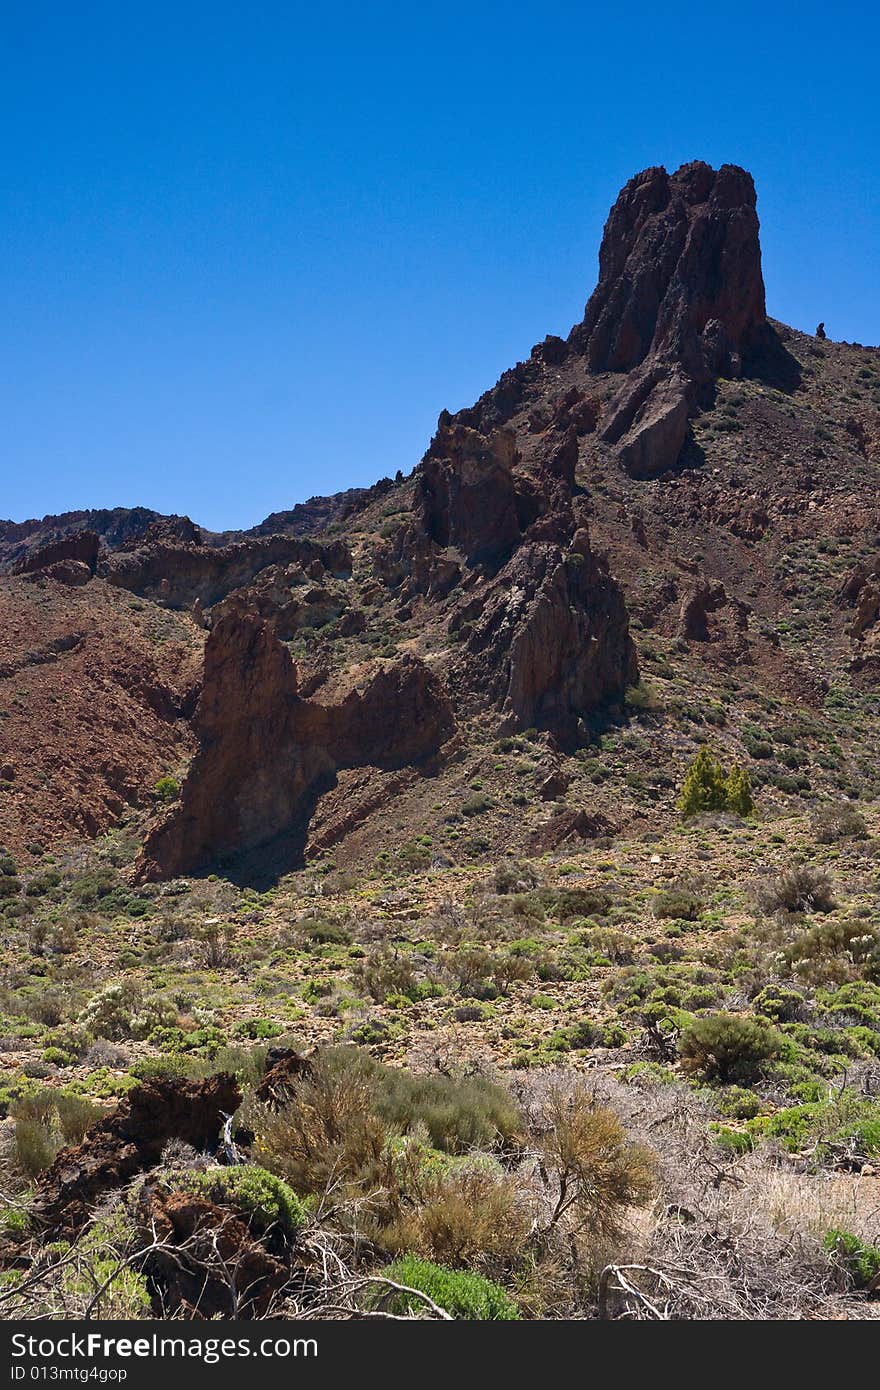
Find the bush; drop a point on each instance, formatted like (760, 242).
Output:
(781, 1004)
(838, 821)
(263, 1199)
(322, 933)
(860, 1261)
(799, 889)
(514, 876)
(466, 1296)
(46, 1120)
(728, 1047)
(120, 1010)
(680, 904)
(387, 972)
(35, 1146)
(167, 789)
(857, 940)
(463, 1215)
(328, 1134)
(707, 787)
(598, 1172)
(844, 1131)
(581, 902)
(339, 1115)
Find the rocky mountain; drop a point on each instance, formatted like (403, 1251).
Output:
(668, 517)
(448, 890)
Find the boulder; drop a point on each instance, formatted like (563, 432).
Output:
(130, 1140)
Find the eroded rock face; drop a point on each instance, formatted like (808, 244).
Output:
(129, 1141)
(466, 492)
(680, 300)
(286, 595)
(265, 753)
(80, 548)
(178, 573)
(549, 638)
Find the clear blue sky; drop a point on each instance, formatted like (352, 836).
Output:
(248, 251)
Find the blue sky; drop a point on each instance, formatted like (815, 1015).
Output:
(249, 252)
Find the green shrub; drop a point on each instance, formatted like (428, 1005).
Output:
(463, 1295)
(860, 1260)
(35, 1146)
(167, 788)
(263, 1199)
(728, 1047)
(844, 1129)
(856, 939)
(779, 1003)
(46, 1120)
(120, 1010)
(679, 903)
(323, 933)
(338, 1117)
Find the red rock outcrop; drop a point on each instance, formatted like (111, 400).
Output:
(548, 641)
(680, 300)
(207, 1263)
(129, 1141)
(79, 547)
(265, 753)
(177, 574)
(286, 595)
(466, 493)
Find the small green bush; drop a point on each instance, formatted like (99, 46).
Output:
(167, 789)
(728, 1047)
(463, 1295)
(263, 1199)
(860, 1260)
(680, 904)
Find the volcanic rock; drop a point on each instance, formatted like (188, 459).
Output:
(176, 573)
(284, 1068)
(548, 640)
(680, 300)
(130, 1140)
(265, 753)
(203, 1261)
(568, 827)
(81, 547)
(466, 491)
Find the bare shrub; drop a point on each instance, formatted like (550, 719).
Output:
(799, 889)
(599, 1173)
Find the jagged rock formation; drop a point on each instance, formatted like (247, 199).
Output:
(177, 574)
(466, 492)
(548, 642)
(680, 300)
(479, 544)
(81, 547)
(294, 598)
(129, 1141)
(265, 753)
